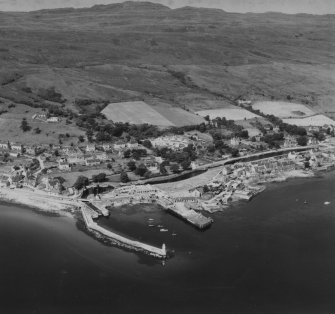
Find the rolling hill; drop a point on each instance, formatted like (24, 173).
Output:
(140, 51)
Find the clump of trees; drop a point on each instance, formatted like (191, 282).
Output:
(135, 153)
(81, 182)
(175, 168)
(320, 136)
(184, 157)
(101, 177)
(25, 127)
(147, 144)
(302, 140)
(273, 140)
(124, 177)
(50, 94)
(141, 170)
(131, 165)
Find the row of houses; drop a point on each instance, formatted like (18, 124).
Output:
(175, 142)
(44, 118)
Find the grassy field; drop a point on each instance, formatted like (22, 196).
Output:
(139, 112)
(179, 117)
(10, 128)
(283, 109)
(317, 120)
(229, 113)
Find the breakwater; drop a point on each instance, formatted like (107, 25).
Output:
(88, 212)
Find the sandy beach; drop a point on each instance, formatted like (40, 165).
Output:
(38, 199)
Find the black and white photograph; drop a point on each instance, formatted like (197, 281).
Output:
(167, 157)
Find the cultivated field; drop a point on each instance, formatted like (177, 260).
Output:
(139, 112)
(136, 112)
(179, 117)
(283, 109)
(318, 120)
(229, 113)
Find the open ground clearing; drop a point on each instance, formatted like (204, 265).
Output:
(190, 183)
(318, 120)
(229, 113)
(283, 109)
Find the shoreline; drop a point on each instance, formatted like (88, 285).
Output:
(39, 201)
(44, 202)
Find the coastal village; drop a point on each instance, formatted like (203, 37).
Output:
(97, 175)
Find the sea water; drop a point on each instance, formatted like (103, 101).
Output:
(275, 254)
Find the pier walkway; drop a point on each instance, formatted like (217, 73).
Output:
(196, 219)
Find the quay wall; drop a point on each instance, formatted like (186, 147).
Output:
(120, 240)
(190, 216)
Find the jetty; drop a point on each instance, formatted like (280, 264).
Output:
(88, 215)
(196, 219)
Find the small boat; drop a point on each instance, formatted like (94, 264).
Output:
(151, 219)
(160, 226)
(151, 225)
(305, 202)
(163, 230)
(327, 203)
(174, 234)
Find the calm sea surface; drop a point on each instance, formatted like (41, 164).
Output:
(272, 255)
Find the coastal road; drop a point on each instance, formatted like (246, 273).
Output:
(264, 154)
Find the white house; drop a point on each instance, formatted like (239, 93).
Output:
(194, 165)
(290, 141)
(92, 162)
(63, 165)
(132, 144)
(243, 102)
(16, 147)
(235, 141)
(4, 145)
(153, 167)
(42, 117)
(106, 147)
(159, 159)
(30, 150)
(90, 148)
(53, 120)
(76, 159)
(120, 145)
(101, 156)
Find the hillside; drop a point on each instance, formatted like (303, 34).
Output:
(145, 51)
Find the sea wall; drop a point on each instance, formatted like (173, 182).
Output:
(120, 240)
